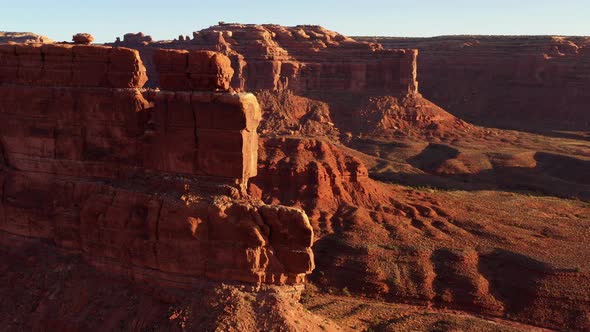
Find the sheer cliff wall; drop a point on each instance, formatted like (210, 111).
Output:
(300, 58)
(142, 182)
(517, 82)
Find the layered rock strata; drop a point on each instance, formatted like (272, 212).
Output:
(64, 65)
(184, 70)
(301, 58)
(532, 82)
(23, 37)
(318, 68)
(144, 182)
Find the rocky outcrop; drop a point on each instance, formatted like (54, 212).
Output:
(532, 82)
(136, 38)
(376, 239)
(196, 70)
(301, 58)
(314, 174)
(47, 289)
(152, 184)
(22, 37)
(83, 38)
(390, 116)
(285, 113)
(145, 183)
(478, 251)
(328, 80)
(62, 65)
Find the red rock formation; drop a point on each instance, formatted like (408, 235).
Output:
(376, 239)
(310, 64)
(22, 37)
(388, 116)
(83, 38)
(285, 113)
(195, 70)
(61, 65)
(313, 174)
(303, 58)
(537, 82)
(47, 289)
(206, 134)
(136, 38)
(139, 181)
(430, 247)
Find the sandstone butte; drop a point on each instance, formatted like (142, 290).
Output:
(297, 58)
(139, 180)
(23, 37)
(143, 158)
(483, 78)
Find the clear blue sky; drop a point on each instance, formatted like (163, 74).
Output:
(163, 19)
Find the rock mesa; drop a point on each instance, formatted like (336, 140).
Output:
(147, 183)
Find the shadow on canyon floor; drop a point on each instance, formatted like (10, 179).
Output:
(552, 175)
(578, 135)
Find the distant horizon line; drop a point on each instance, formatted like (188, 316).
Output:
(347, 35)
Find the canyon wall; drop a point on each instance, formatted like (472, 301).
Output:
(314, 66)
(530, 82)
(23, 37)
(300, 58)
(147, 183)
(152, 183)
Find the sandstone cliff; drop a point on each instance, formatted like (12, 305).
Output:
(376, 239)
(533, 82)
(318, 66)
(22, 37)
(147, 183)
(169, 169)
(300, 58)
(48, 289)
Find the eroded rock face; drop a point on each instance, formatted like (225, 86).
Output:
(183, 235)
(313, 174)
(23, 37)
(62, 65)
(82, 298)
(429, 246)
(311, 81)
(83, 38)
(136, 38)
(146, 183)
(204, 134)
(194, 70)
(301, 58)
(378, 239)
(514, 82)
